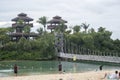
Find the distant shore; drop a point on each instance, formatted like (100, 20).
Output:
(92, 75)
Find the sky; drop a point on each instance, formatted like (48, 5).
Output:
(97, 13)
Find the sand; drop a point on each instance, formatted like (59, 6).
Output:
(92, 75)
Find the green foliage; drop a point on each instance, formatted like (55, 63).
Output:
(76, 28)
(40, 31)
(88, 41)
(91, 31)
(101, 29)
(10, 46)
(27, 29)
(117, 45)
(68, 31)
(76, 38)
(61, 28)
(4, 38)
(23, 44)
(47, 46)
(20, 22)
(43, 21)
(42, 47)
(85, 26)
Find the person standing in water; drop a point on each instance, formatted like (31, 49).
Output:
(101, 66)
(15, 69)
(60, 67)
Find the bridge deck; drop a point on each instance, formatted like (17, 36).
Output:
(91, 57)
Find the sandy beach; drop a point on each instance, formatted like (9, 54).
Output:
(92, 75)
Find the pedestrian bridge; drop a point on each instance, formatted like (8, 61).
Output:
(113, 59)
(69, 50)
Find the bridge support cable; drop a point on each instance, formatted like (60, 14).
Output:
(71, 49)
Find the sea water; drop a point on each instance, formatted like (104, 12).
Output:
(51, 67)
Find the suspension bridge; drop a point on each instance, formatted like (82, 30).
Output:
(67, 50)
(113, 59)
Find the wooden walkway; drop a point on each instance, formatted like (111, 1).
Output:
(113, 59)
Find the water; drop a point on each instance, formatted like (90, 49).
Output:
(48, 67)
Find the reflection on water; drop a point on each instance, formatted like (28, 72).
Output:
(45, 67)
(6, 70)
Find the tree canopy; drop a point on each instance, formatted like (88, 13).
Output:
(43, 47)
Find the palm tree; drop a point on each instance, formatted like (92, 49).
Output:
(85, 26)
(43, 21)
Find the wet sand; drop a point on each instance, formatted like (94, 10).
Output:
(92, 75)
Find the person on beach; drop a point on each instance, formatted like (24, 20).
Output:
(15, 69)
(119, 75)
(112, 76)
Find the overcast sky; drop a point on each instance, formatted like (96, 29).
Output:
(97, 13)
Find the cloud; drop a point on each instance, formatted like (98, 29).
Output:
(95, 12)
(5, 24)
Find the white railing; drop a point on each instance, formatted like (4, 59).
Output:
(91, 57)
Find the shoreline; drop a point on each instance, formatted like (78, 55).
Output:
(90, 75)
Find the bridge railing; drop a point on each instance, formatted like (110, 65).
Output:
(66, 46)
(76, 49)
(90, 57)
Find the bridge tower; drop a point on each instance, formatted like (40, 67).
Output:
(58, 25)
(59, 44)
(55, 23)
(21, 27)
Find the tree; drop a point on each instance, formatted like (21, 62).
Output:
(27, 29)
(40, 31)
(101, 29)
(20, 22)
(24, 45)
(88, 41)
(117, 45)
(43, 21)
(76, 28)
(103, 40)
(10, 30)
(68, 31)
(85, 26)
(91, 30)
(4, 38)
(61, 28)
(10, 46)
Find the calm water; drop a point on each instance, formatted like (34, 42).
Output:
(47, 67)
